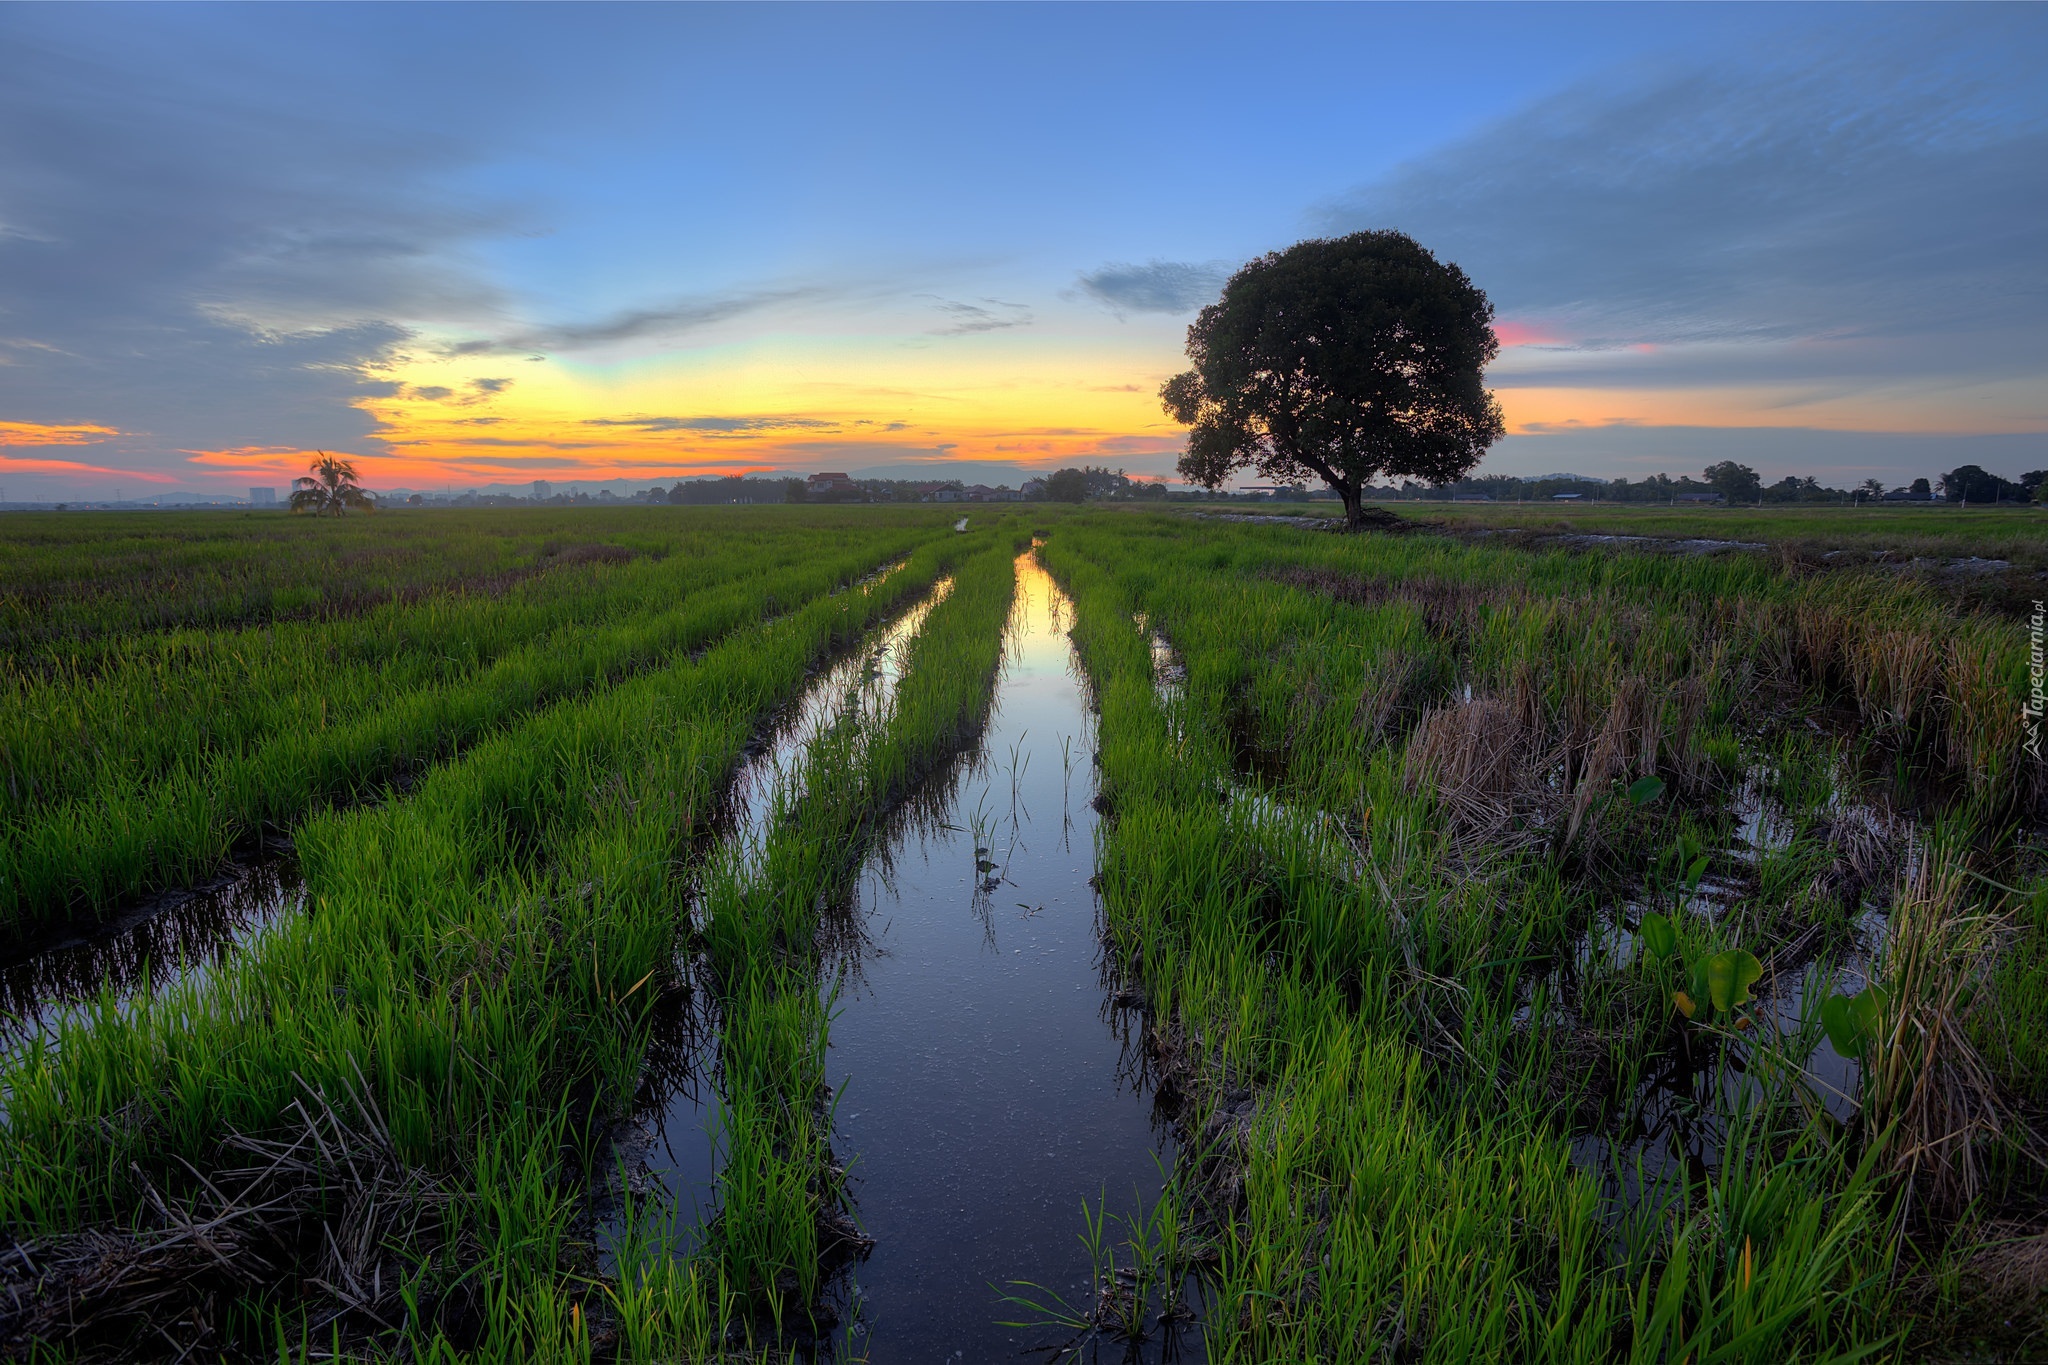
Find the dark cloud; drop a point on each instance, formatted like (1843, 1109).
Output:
(476, 391)
(1878, 204)
(990, 315)
(640, 324)
(717, 426)
(1157, 287)
(202, 272)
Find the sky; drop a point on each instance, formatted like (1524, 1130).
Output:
(474, 246)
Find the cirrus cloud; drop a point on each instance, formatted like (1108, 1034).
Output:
(1157, 286)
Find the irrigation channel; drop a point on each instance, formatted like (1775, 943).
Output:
(986, 1104)
(158, 940)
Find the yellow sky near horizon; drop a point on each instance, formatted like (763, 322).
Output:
(804, 403)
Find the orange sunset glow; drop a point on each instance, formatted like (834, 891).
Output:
(835, 247)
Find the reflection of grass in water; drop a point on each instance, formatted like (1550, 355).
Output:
(486, 951)
(772, 928)
(146, 773)
(1378, 1070)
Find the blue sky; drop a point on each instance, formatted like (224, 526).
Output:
(478, 244)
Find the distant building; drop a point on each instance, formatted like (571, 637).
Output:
(1908, 495)
(263, 497)
(829, 483)
(1033, 488)
(542, 490)
(1567, 497)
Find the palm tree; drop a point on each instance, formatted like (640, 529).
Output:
(331, 490)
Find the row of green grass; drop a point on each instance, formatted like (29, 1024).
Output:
(137, 830)
(482, 955)
(74, 587)
(1402, 1183)
(782, 1203)
(2016, 534)
(148, 701)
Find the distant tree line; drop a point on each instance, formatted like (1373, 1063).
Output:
(1079, 485)
(1737, 483)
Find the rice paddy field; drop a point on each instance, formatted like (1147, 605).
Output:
(873, 934)
(1898, 534)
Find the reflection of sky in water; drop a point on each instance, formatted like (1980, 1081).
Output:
(679, 1146)
(182, 935)
(1675, 1121)
(981, 1094)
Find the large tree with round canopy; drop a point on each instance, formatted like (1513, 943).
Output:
(1344, 359)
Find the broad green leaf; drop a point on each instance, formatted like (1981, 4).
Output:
(1702, 984)
(1838, 1016)
(1658, 935)
(1644, 790)
(1730, 974)
(1852, 1021)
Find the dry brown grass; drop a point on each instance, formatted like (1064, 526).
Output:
(1512, 772)
(2011, 1261)
(1484, 765)
(312, 1214)
(1927, 1095)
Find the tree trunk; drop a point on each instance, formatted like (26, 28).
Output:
(1354, 503)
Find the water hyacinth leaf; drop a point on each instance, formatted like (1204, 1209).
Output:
(1702, 984)
(1644, 790)
(1730, 974)
(1852, 1021)
(1658, 935)
(1838, 1017)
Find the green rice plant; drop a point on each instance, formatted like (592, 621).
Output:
(1263, 1010)
(78, 857)
(782, 1223)
(1929, 1103)
(478, 953)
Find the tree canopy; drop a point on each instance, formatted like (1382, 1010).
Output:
(1972, 483)
(1067, 485)
(1735, 482)
(1341, 359)
(331, 489)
